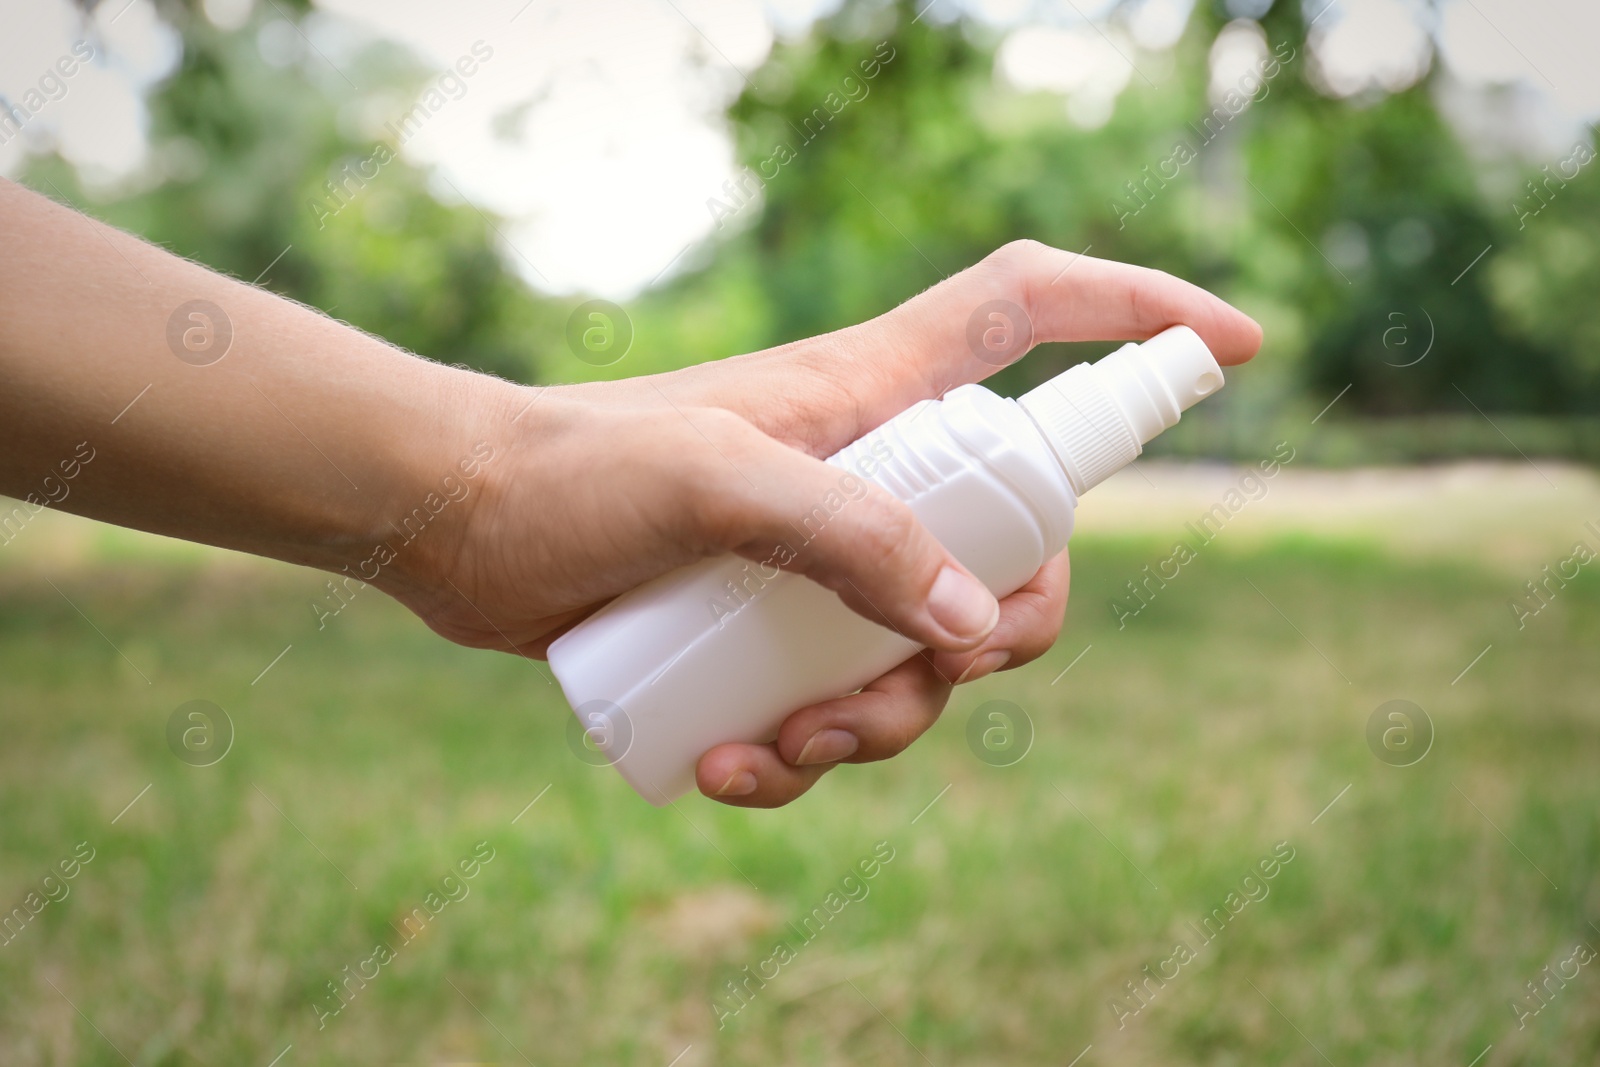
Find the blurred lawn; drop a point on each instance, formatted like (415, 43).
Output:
(1172, 757)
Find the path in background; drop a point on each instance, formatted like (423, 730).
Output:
(1497, 515)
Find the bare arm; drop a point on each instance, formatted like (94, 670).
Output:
(296, 437)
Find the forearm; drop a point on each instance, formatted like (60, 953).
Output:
(304, 441)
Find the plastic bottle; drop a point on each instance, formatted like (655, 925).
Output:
(725, 649)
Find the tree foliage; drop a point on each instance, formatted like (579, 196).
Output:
(883, 153)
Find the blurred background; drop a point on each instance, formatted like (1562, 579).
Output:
(1376, 660)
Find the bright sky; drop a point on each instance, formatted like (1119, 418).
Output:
(596, 127)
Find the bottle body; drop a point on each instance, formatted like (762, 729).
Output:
(725, 649)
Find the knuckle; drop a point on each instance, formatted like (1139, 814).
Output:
(721, 518)
(725, 431)
(704, 455)
(889, 534)
(1012, 269)
(839, 371)
(904, 725)
(893, 735)
(902, 736)
(1143, 288)
(1036, 639)
(1014, 256)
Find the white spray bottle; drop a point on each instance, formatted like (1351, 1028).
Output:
(725, 649)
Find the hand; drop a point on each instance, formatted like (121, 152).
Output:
(597, 488)
(308, 441)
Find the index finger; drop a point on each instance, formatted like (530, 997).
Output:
(1059, 296)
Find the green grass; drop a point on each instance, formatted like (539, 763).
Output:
(1172, 757)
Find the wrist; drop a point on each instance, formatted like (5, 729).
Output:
(410, 541)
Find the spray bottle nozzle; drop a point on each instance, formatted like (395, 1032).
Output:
(1097, 417)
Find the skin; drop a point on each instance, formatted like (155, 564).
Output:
(309, 441)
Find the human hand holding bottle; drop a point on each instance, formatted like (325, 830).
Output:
(311, 441)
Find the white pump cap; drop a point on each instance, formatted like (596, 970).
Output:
(1098, 416)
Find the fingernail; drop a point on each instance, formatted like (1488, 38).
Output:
(827, 746)
(739, 784)
(961, 604)
(985, 664)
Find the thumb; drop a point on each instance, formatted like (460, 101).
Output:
(777, 506)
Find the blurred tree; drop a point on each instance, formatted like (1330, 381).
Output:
(1546, 279)
(883, 152)
(1354, 217)
(1385, 185)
